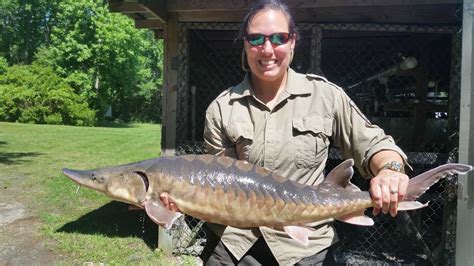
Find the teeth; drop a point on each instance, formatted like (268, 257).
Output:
(267, 62)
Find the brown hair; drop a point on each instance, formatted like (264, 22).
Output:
(267, 5)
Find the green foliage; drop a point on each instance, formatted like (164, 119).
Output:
(3, 65)
(99, 54)
(107, 60)
(35, 94)
(24, 26)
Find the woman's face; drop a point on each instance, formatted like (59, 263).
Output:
(269, 62)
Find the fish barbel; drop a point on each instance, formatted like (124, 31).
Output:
(226, 191)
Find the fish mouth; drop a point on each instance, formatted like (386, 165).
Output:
(144, 178)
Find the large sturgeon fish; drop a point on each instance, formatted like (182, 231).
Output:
(226, 191)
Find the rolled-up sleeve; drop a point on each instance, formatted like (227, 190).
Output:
(357, 137)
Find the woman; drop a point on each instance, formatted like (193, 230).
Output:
(285, 122)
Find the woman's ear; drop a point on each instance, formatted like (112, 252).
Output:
(293, 41)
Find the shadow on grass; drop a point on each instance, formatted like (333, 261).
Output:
(115, 220)
(17, 157)
(114, 124)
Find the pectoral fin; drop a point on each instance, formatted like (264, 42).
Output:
(357, 218)
(299, 233)
(159, 214)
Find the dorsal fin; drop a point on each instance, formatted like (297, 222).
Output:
(341, 175)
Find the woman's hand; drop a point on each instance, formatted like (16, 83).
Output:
(388, 188)
(168, 203)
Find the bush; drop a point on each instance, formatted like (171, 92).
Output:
(3, 65)
(35, 94)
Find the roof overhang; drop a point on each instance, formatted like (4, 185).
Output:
(153, 14)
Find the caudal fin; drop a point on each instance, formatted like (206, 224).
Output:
(421, 183)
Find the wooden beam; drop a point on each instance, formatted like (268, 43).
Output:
(465, 210)
(170, 85)
(209, 5)
(213, 16)
(158, 7)
(421, 15)
(155, 24)
(149, 9)
(126, 7)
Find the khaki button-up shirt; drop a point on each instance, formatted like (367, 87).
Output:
(292, 139)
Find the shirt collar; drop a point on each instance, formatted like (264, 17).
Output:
(294, 86)
(242, 89)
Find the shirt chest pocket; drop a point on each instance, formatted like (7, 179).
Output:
(241, 135)
(311, 137)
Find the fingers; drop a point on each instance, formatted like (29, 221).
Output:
(380, 193)
(398, 194)
(387, 189)
(167, 202)
(173, 207)
(385, 199)
(376, 194)
(393, 200)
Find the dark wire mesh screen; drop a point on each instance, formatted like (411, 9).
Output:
(401, 81)
(404, 78)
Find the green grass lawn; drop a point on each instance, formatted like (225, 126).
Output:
(86, 225)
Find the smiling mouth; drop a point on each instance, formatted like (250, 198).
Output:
(267, 62)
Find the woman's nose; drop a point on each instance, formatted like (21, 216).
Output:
(267, 46)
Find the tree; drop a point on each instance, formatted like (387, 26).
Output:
(105, 58)
(99, 54)
(24, 26)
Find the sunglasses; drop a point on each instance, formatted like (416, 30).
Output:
(279, 38)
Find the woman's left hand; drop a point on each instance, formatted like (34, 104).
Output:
(387, 189)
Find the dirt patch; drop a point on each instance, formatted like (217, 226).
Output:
(20, 243)
(10, 212)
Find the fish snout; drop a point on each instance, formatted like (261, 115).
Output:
(84, 177)
(72, 174)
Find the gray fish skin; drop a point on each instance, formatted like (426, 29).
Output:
(222, 190)
(226, 191)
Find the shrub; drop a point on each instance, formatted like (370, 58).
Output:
(35, 94)
(3, 65)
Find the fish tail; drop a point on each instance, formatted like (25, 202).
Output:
(419, 184)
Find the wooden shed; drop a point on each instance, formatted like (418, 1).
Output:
(406, 63)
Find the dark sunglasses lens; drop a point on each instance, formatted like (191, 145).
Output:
(256, 39)
(275, 38)
(279, 38)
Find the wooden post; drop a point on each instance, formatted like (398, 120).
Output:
(465, 210)
(170, 81)
(170, 85)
